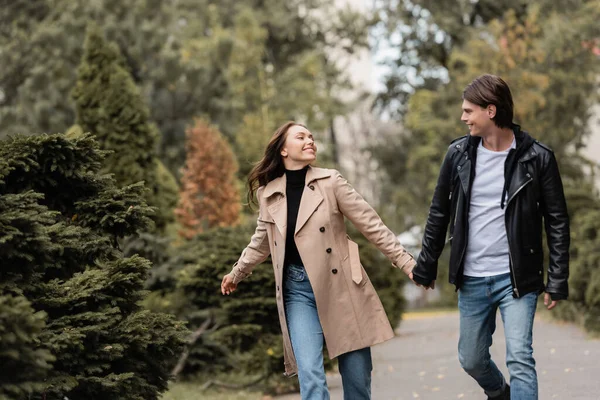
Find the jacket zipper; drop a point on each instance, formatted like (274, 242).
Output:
(519, 189)
(512, 269)
(456, 211)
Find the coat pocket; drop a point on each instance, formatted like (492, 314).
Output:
(355, 267)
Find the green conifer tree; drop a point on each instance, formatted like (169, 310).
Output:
(109, 105)
(70, 315)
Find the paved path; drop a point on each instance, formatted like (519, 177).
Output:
(421, 362)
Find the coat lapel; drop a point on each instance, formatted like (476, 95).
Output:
(308, 205)
(311, 197)
(278, 210)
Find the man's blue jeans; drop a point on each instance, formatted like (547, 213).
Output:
(478, 300)
(307, 342)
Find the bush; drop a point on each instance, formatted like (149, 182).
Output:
(67, 294)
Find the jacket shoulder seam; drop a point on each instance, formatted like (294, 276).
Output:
(543, 146)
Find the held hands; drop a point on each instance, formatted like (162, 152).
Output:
(548, 300)
(227, 285)
(431, 286)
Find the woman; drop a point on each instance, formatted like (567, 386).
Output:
(322, 291)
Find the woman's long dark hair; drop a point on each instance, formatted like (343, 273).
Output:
(271, 165)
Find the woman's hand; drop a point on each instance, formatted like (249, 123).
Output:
(227, 285)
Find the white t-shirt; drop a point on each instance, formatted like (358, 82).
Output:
(487, 249)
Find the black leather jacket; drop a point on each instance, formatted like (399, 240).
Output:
(533, 189)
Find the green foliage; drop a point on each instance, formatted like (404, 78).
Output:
(584, 285)
(244, 334)
(77, 297)
(109, 105)
(24, 364)
(229, 61)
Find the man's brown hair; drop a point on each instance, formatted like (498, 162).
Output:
(491, 89)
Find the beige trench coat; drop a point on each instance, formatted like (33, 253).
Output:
(349, 309)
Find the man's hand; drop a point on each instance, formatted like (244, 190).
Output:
(548, 300)
(227, 285)
(432, 286)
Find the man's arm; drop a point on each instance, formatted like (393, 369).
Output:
(556, 220)
(434, 237)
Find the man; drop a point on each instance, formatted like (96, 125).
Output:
(494, 187)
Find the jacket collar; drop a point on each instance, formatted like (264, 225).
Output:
(277, 185)
(524, 140)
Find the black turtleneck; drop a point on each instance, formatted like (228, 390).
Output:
(295, 182)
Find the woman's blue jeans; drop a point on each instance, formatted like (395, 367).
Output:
(307, 342)
(478, 300)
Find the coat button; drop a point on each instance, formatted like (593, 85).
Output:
(540, 272)
(328, 250)
(459, 167)
(531, 251)
(322, 229)
(334, 271)
(275, 242)
(311, 187)
(278, 288)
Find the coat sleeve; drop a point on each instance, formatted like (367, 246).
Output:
(436, 227)
(367, 221)
(556, 220)
(257, 250)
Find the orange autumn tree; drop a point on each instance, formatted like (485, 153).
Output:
(208, 196)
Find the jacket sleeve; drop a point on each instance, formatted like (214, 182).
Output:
(367, 221)
(436, 227)
(257, 250)
(556, 220)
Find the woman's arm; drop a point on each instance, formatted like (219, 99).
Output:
(257, 250)
(368, 222)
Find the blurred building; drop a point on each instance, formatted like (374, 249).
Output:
(592, 149)
(356, 130)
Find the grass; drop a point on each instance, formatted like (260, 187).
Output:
(191, 391)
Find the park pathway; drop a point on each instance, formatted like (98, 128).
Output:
(421, 362)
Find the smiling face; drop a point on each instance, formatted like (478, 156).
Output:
(478, 119)
(299, 149)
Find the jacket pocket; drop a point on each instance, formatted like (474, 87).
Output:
(355, 266)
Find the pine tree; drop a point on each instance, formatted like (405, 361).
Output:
(109, 105)
(209, 197)
(77, 329)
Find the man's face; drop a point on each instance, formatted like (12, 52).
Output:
(478, 119)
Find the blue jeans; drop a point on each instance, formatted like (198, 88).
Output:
(478, 300)
(307, 342)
